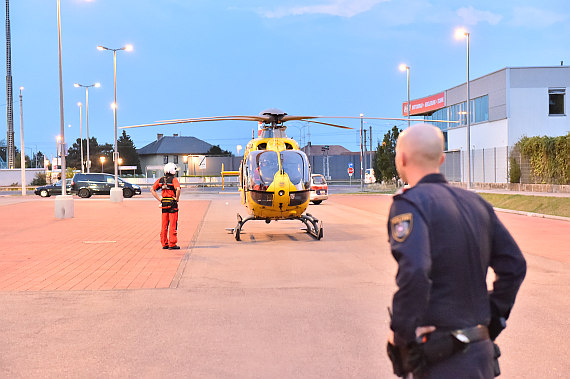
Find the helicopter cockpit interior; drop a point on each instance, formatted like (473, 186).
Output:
(263, 165)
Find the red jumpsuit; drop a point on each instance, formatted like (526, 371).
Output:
(169, 229)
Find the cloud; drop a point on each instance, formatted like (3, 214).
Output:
(341, 8)
(472, 16)
(536, 18)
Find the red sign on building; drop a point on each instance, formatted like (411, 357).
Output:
(425, 105)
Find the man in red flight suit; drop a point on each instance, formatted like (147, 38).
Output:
(169, 203)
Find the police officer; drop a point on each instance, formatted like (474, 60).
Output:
(444, 319)
(170, 188)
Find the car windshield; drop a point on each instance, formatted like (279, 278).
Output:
(319, 180)
(295, 164)
(262, 167)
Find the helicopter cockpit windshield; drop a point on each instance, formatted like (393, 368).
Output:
(262, 167)
(295, 165)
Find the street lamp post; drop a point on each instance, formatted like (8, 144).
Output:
(407, 68)
(460, 33)
(81, 134)
(361, 152)
(63, 203)
(23, 151)
(116, 192)
(102, 159)
(96, 85)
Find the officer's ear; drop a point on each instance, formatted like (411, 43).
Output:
(441, 159)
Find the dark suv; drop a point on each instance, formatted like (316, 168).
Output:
(85, 185)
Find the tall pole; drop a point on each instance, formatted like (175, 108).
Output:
(88, 163)
(116, 193)
(116, 154)
(81, 135)
(10, 152)
(22, 152)
(361, 153)
(61, 122)
(370, 136)
(403, 67)
(96, 85)
(468, 120)
(408, 80)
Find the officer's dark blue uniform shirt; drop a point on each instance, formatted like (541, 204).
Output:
(444, 238)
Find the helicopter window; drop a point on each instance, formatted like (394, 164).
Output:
(270, 132)
(262, 167)
(296, 166)
(288, 146)
(262, 146)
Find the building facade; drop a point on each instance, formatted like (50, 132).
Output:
(504, 106)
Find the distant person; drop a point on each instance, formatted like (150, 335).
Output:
(170, 188)
(444, 238)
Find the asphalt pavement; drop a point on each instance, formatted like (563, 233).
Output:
(96, 296)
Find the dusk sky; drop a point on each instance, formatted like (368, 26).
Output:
(306, 57)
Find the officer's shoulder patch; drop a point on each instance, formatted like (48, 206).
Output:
(401, 226)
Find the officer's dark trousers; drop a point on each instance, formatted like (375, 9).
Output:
(476, 362)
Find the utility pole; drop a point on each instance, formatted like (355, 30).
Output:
(10, 152)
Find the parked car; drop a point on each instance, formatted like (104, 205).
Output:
(52, 189)
(319, 189)
(86, 185)
(369, 176)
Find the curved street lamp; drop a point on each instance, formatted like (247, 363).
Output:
(116, 192)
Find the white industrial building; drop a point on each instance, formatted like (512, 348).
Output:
(505, 105)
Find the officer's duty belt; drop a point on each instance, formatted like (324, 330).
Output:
(470, 335)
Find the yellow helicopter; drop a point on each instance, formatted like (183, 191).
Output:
(274, 174)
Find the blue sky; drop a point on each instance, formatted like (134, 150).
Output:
(212, 58)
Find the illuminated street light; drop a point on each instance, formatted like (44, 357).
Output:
(22, 153)
(460, 34)
(406, 68)
(116, 192)
(96, 85)
(102, 159)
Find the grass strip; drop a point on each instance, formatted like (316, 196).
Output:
(555, 206)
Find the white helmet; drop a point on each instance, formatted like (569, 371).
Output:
(170, 168)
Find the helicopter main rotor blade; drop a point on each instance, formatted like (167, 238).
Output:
(326, 123)
(213, 118)
(202, 119)
(386, 118)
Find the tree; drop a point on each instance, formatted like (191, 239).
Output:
(96, 151)
(384, 161)
(128, 151)
(217, 150)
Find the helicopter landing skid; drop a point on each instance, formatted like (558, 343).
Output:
(313, 226)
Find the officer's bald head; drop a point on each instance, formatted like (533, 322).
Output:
(419, 149)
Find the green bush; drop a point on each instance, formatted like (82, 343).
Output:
(548, 157)
(39, 179)
(515, 171)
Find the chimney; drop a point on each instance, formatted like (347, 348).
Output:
(159, 136)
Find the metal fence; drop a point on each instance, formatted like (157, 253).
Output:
(490, 165)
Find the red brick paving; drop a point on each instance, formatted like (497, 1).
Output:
(105, 246)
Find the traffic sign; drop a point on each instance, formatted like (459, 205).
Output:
(350, 165)
(350, 171)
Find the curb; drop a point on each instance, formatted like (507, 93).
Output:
(531, 214)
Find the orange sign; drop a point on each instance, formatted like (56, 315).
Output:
(425, 105)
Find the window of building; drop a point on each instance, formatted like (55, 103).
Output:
(165, 159)
(556, 101)
(175, 159)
